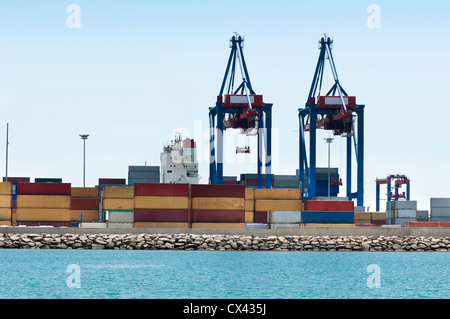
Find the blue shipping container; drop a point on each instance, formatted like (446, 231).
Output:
(324, 217)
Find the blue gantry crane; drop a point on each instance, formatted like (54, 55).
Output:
(239, 107)
(336, 111)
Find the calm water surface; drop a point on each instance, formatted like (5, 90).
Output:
(63, 274)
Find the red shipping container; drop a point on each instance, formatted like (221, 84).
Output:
(331, 206)
(198, 190)
(218, 216)
(161, 215)
(84, 203)
(161, 189)
(261, 217)
(43, 189)
(427, 224)
(379, 222)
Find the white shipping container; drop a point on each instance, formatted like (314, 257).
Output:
(120, 217)
(405, 213)
(404, 204)
(275, 226)
(440, 212)
(439, 202)
(120, 225)
(288, 217)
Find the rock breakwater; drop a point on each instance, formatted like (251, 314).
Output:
(223, 242)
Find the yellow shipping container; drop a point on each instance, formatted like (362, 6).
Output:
(5, 201)
(362, 218)
(5, 222)
(5, 188)
(278, 205)
(43, 214)
(249, 193)
(118, 203)
(218, 203)
(118, 192)
(161, 202)
(160, 225)
(277, 193)
(87, 216)
(378, 216)
(5, 214)
(249, 205)
(249, 217)
(84, 192)
(219, 225)
(43, 201)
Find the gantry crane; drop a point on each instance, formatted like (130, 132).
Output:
(398, 181)
(240, 108)
(336, 111)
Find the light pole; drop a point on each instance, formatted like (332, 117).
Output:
(84, 138)
(329, 140)
(7, 145)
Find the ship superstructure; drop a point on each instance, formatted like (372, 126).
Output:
(179, 162)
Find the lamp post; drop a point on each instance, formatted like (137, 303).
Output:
(329, 140)
(84, 138)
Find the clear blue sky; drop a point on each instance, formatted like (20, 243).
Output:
(138, 70)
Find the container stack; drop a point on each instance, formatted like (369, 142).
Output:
(5, 204)
(378, 218)
(322, 181)
(399, 212)
(41, 204)
(218, 206)
(328, 213)
(117, 205)
(143, 174)
(84, 205)
(440, 209)
(278, 207)
(162, 205)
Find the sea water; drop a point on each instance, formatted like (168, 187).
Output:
(137, 274)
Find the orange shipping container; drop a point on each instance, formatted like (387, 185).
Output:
(5, 201)
(43, 214)
(43, 201)
(84, 192)
(118, 192)
(5, 188)
(277, 193)
(118, 204)
(161, 202)
(87, 215)
(278, 205)
(5, 213)
(218, 203)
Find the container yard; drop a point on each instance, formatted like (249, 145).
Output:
(196, 206)
(170, 196)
